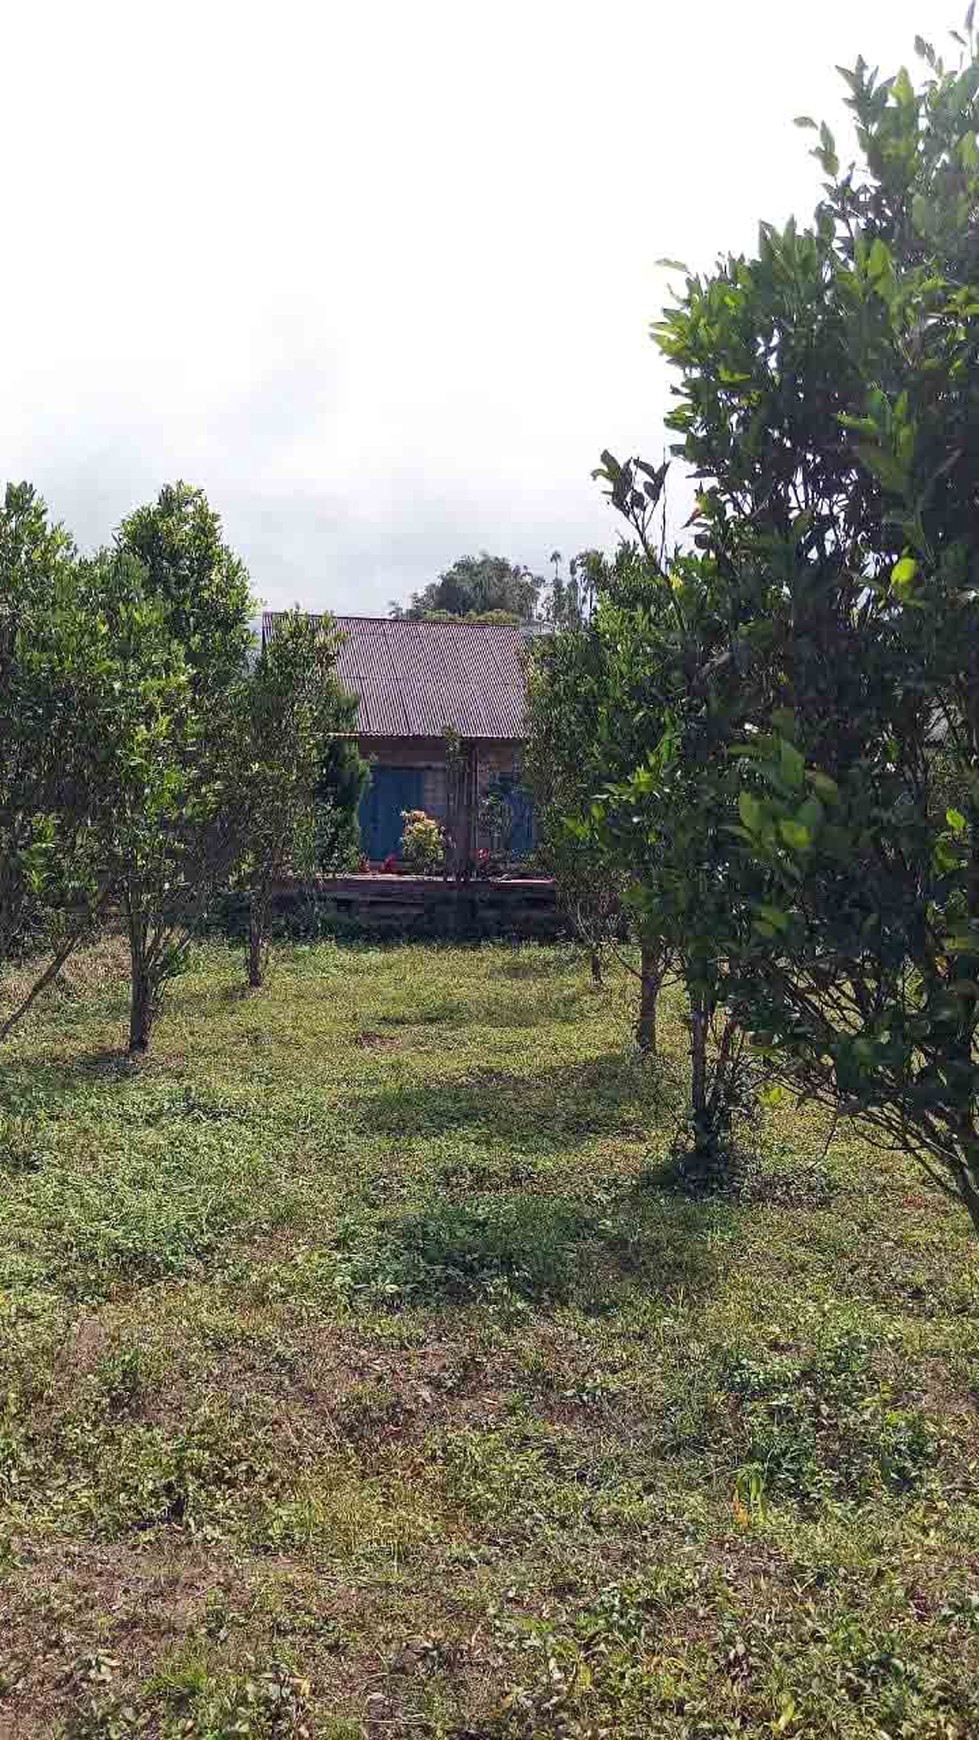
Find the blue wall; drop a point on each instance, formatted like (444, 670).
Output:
(394, 789)
(391, 790)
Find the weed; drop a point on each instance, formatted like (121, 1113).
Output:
(823, 1427)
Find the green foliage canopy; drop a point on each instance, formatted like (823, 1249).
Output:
(179, 836)
(292, 705)
(89, 682)
(483, 586)
(828, 404)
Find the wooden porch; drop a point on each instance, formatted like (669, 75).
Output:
(432, 906)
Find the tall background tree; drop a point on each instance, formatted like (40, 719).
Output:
(569, 598)
(477, 586)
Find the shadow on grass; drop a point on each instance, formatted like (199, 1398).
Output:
(510, 1010)
(189, 999)
(537, 1247)
(446, 1012)
(44, 1084)
(551, 1108)
(561, 1005)
(536, 964)
(106, 1075)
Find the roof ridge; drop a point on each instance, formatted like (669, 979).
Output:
(408, 621)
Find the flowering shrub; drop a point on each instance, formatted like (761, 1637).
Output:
(422, 842)
(496, 820)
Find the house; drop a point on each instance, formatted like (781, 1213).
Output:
(441, 719)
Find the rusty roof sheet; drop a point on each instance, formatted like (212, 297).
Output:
(416, 679)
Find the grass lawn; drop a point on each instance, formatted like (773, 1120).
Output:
(359, 1377)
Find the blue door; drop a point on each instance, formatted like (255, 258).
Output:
(523, 825)
(391, 790)
(524, 832)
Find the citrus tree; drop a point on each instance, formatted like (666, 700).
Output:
(88, 680)
(292, 705)
(828, 403)
(676, 703)
(566, 764)
(181, 835)
(632, 717)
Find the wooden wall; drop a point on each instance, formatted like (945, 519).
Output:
(428, 756)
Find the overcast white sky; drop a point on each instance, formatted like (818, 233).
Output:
(380, 277)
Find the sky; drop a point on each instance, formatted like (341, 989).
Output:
(380, 278)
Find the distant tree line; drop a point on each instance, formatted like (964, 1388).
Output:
(487, 588)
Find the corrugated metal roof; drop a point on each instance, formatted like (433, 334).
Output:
(416, 679)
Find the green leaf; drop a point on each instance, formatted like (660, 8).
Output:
(879, 261)
(774, 916)
(750, 811)
(795, 834)
(904, 572)
(955, 820)
(825, 151)
(776, 1094)
(921, 214)
(805, 121)
(791, 764)
(821, 783)
(885, 467)
(810, 814)
(902, 89)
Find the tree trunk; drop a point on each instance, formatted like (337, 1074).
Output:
(965, 1167)
(710, 1161)
(596, 967)
(969, 1188)
(698, 1071)
(256, 941)
(650, 979)
(142, 1001)
(141, 996)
